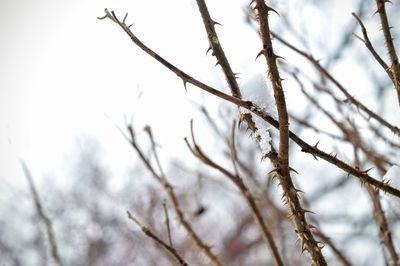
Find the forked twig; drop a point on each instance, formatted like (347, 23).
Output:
(148, 232)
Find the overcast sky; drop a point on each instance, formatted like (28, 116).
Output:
(63, 73)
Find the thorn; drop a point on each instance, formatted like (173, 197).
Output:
(279, 57)
(293, 170)
(216, 23)
(273, 170)
(366, 171)
(129, 27)
(184, 84)
(273, 10)
(316, 144)
(315, 157)
(260, 53)
(299, 191)
(216, 64)
(209, 49)
(305, 211)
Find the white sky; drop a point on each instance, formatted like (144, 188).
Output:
(63, 73)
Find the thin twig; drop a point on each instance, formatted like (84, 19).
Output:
(46, 220)
(370, 47)
(170, 249)
(167, 224)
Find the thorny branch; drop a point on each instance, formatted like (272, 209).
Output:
(281, 161)
(395, 67)
(238, 181)
(313, 150)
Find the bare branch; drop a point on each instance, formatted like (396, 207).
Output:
(47, 222)
(170, 249)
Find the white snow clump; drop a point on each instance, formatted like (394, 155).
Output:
(255, 89)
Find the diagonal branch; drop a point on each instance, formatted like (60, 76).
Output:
(248, 105)
(148, 232)
(47, 222)
(371, 48)
(349, 97)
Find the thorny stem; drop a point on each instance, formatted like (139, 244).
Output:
(238, 181)
(217, 50)
(248, 105)
(281, 161)
(395, 67)
(219, 53)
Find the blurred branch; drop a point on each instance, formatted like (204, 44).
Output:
(339, 254)
(162, 180)
(379, 215)
(47, 222)
(369, 46)
(167, 224)
(171, 250)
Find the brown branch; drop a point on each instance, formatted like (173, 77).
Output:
(257, 111)
(350, 98)
(47, 222)
(167, 224)
(217, 50)
(172, 251)
(339, 254)
(379, 215)
(237, 180)
(369, 46)
(395, 67)
(281, 162)
(171, 195)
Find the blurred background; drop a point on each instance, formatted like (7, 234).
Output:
(69, 82)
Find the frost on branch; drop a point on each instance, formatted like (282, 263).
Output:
(255, 89)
